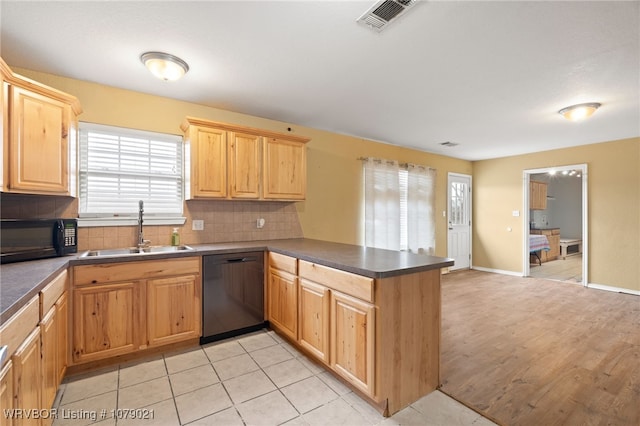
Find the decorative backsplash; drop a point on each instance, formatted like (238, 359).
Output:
(224, 221)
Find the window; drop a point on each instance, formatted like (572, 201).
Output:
(119, 166)
(399, 206)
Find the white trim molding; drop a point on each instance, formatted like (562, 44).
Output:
(497, 271)
(613, 289)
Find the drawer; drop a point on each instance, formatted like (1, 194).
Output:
(52, 292)
(283, 262)
(17, 328)
(344, 282)
(555, 232)
(134, 271)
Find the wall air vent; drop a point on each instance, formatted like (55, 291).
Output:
(449, 144)
(383, 12)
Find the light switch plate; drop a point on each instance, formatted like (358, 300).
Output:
(515, 213)
(197, 225)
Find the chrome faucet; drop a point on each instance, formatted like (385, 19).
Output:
(141, 241)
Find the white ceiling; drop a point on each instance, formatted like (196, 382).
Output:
(489, 76)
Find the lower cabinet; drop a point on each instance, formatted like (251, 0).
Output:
(352, 339)
(172, 315)
(314, 319)
(120, 308)
(53, 331)
(283, 302)
(6, 392)
(106, 320)
(27, 377)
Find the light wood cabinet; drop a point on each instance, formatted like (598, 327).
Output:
(352, 340)
(208, 149)
(553, 235)
(62, 343)
(313, 314)
(226, 161)
(27, 377)
(537, 195)
(6, 392)
(244, 165)
(173, 309)
(120, 308)
(382, 335)
(49, 335)
(106, 320)
(40, 135)
(339, 319)
(283, 301)
(285, 169)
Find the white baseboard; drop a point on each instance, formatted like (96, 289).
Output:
(590, 285)
(614, 289)
(497, 271)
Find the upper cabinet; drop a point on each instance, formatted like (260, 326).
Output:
(537, 195)
(39, 137)
(225, 161)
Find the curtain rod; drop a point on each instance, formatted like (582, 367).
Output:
(403, 165)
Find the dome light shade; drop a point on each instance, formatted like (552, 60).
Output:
(164, 66)
(579, 111)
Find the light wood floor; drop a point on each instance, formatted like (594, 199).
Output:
(528, 351)
(569, 269)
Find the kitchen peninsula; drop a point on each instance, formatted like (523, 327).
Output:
(370, 316)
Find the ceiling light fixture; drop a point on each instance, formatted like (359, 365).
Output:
(579, 111)
(164, 66)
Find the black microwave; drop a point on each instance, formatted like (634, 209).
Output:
(29, 239)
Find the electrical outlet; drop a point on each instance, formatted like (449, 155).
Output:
(260, 223)
(197, 225)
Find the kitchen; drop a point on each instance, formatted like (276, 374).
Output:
(332, 211)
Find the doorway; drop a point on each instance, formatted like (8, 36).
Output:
(459, 219)
(562, 218)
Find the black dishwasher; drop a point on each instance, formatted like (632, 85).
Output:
(232, 295)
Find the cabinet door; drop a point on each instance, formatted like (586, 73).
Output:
(62, 320)
(173, 309)
(244, 165)
(6, 392)
(106, 320)
(27, 376)
(283, 302)
(313, 314)
(537, 195)
(284, 170)
(49, 336)
(39, 135)
(352, 340)
(208, 162)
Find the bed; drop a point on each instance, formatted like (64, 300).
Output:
(537, 243)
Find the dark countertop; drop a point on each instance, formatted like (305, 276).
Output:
(19, 282)
(549, 228)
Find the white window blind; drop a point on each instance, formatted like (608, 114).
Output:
(119, 166)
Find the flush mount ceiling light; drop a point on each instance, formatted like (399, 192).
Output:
(164, 66)
(579, 111)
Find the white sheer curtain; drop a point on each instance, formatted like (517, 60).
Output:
(421, 235)
(382, 203)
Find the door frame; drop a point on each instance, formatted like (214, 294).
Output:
(469, 204)
(585, 223)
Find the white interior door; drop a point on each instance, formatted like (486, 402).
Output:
(459, 217)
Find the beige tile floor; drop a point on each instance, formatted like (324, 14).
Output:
(256, 379)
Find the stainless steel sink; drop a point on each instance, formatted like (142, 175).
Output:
(135, 251)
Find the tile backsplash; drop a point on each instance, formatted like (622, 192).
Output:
(224, 221)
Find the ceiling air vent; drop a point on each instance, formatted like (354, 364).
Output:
(449, 144)
(383, 12)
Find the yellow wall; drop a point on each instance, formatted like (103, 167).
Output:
(332, 210)
(613, 209)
